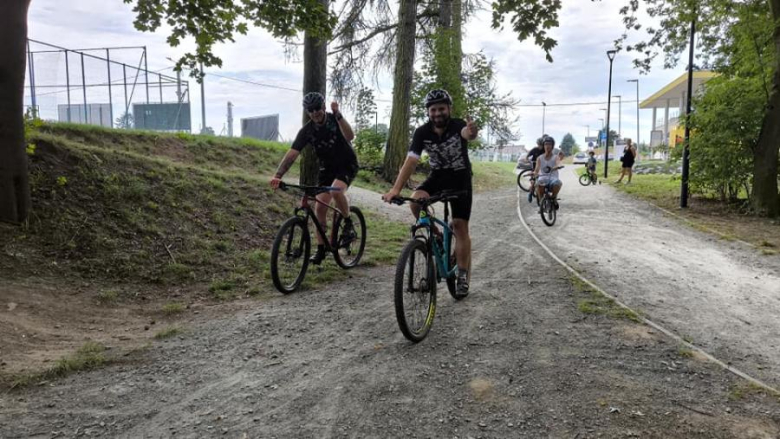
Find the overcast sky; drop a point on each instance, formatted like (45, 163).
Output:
(578, 74)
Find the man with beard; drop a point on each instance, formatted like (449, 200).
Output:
(445, 140)
(329, 134)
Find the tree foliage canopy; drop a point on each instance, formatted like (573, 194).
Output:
(217, 21)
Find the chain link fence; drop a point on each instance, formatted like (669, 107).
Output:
(109, 87)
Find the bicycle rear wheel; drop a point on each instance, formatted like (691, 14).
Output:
(415, 291)
(290, 255)
(524, 180)
(350, 244)
(585, 179)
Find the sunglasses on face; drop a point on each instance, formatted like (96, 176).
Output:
(311, 110)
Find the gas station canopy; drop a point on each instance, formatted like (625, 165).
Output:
(672, 94)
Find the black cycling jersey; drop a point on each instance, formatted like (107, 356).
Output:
(534, 153)
(448, 151)
(333, 150)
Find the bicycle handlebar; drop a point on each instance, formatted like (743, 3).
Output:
(310, 190)
(443, 197)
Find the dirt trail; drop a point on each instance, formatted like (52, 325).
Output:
(515, 359)
(723, 296)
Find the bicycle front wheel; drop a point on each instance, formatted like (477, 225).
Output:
(524, 180)
(548, 211)
(415, 291)
(350, 243)
(585, 179)
(290, 255)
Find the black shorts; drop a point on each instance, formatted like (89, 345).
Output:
(344, 173)
(439, 181)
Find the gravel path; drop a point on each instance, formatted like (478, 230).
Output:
(723, 296)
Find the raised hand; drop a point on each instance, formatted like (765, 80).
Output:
(471, 126)
(334, 107)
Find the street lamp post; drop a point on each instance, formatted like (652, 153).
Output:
(544, 111)
(620, 112)
(203, 97)
(611, 56)
(637, 109)
(686, 148)
(588, 126)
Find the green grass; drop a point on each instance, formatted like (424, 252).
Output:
(154, 217)
(685, 352)
(107, 297)
(385, 239)
(744, 390)
(595, 302)
(170, 309)
(89, 356)
(168, 332)
(228, 288)
(493, 175)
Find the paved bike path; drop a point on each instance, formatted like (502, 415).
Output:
(723, 296)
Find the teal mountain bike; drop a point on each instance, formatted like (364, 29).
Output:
(427, 258)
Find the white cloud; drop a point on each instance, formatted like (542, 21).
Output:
(579, 73)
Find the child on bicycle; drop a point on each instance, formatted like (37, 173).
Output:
(591, 166)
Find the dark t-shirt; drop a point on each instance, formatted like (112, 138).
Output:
(448, 151)
(332, 148)
(534, 153)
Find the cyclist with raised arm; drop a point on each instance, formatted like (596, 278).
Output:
(445, 139)
(330, 135)
(546, 171)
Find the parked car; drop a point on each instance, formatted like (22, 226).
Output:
(522, 163)
(580, 158)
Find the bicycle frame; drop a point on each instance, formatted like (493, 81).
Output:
(427, 221)
(307, 212)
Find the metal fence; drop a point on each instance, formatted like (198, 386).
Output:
(110, 86)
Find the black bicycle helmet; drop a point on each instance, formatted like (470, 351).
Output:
(313, 100)
(540, 141)
(549, 139)
(437, 96)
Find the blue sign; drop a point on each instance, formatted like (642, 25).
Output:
(603, 136)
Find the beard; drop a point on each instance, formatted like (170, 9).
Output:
(440, 121)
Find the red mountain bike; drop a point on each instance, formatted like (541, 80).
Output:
(292, 246)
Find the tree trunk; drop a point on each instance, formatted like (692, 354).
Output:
(315, 69)
(765, 154)
(445, 13)
(398, 139)
(14, 182)
(449, 54)
(457, 28)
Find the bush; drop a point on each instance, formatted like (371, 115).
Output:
(370, 147)
(727, 123)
